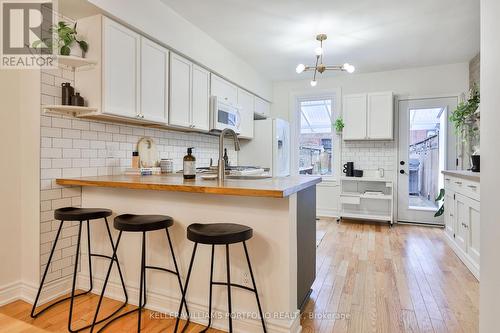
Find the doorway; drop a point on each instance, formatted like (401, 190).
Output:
(426, 147)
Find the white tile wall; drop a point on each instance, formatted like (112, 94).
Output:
(370, 155)
(73, 147)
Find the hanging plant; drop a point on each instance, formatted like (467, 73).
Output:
(65, 37)
(464, 117)
(339, 125)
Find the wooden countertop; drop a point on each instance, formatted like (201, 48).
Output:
(270, 187)
(465, 174)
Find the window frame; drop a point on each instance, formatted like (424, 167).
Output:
(295, 120)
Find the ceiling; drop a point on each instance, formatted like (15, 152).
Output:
(374, 35)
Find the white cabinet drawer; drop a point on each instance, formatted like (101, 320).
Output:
(351, 200)
(470, 189)
(465, 187)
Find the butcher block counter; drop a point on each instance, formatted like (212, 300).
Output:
(281, 211)
(278, 187)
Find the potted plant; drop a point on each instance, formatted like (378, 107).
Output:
(66, 41)
(465, 118)
(339, 125)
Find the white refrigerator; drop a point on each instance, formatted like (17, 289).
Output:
(270, 147)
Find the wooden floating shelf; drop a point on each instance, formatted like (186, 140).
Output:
(74, 62)
(69, 110)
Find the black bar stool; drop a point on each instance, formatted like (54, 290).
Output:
(79, 214)
(220, 234)
(140, 223)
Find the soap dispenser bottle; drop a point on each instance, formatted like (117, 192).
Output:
(189, 165)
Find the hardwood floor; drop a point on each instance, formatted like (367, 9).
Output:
(370, 278)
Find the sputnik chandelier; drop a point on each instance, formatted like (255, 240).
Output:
(320, 67)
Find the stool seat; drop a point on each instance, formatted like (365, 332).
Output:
(81, 214)
(131, 222)
(218, 233)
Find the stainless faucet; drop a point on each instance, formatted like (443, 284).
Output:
(222, 164)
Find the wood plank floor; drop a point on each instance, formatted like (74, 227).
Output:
(370, 278)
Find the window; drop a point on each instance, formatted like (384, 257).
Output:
(316, 140)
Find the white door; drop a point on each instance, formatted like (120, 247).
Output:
(154, 81)
(354, 110)
(180, 91)
(473, 248)
(426, 147)
(462, 216)
(380, 115)
(223, 89)
(449, 213)
(200, 98)
(121, 69)
(262, 107)
(246, 102)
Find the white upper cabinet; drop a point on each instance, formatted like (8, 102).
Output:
(154, 82)
(180, 91)
(189, 94)
(200, 113)
(380, 116)
(223, 89)
(262, 108)
(246, 102)
(368, 116)
(354, 114)
(121, 54)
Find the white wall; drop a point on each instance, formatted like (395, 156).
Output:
(414, 82)
(160, 22)
(19, 170)
(490, 177)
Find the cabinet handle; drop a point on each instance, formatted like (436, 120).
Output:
(458, 183)
(472, 186)
(448, 179)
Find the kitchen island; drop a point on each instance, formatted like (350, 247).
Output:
(281, 211)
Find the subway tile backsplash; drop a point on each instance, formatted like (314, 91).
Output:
(74, 147)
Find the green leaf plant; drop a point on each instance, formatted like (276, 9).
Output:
(64, 37)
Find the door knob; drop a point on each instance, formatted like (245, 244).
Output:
(402, 172)
(402, 162)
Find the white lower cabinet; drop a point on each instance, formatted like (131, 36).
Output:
(462, 220)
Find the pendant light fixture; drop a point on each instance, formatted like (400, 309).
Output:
(319, 67)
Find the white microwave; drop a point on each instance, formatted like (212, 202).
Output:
(224, 115)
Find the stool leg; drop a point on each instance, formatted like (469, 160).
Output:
(254, 287)
(33, 315)
(210, 293)
(117, 262)
(106, 281)
(228, 271)
(176, 267)
(90, 257)
(75, 271)
(184, 292)
(141, 288)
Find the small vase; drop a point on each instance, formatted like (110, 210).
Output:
(76, 51)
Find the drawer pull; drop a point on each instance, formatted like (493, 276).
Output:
(458, 183)
(448, 179)
(472, 186)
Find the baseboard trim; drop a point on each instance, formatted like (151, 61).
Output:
(27, 292)
(462, 256)
(327, 212)
(168, 305)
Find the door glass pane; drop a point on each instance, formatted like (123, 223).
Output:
(316, 137)
(425, 156)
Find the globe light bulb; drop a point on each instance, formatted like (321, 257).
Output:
(318, 51)
(348, 68)
(314, 83)
(300, 68)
